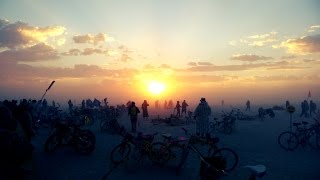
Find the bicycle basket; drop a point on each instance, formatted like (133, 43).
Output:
(210, 173)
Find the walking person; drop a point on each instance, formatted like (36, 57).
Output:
(133, 113)
(248, 105)
(201, 114)
(178, 106)
(145, 110)
(184, 107)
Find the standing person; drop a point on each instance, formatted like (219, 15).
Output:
(145, 109)
(133, 113)
(306, 108)
(165, 104)
(105, 100)
(178, 106)
(184, 107)
(303, 109)
(287, 104)
(202, 113)
(222, 103)
(313, 108)
(70, 106)
(157, 104)
(248, 105)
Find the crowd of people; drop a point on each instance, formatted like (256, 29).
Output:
(20, 116)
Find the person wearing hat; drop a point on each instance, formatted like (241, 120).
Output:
(202, 113)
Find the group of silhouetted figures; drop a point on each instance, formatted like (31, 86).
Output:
(307, 110)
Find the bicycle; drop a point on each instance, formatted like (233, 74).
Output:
(216, 163)
(132, 150)
(225, 126)
(302, 135)
(109, 122)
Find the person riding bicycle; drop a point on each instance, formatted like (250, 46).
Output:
(202, 113)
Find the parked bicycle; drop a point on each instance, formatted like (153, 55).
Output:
(226, 125)
(302, 135)
(132, 150)
(70, 134)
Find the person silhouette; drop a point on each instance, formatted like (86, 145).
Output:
(144, 107)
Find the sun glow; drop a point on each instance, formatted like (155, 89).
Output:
(156, 87)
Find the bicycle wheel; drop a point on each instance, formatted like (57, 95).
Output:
(159, 154)
(288, 140)
(230, 157)
(314, 139)
(120, 153)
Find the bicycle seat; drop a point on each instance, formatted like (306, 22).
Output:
(296, 124)
(166, 135)
(257, 170)
(305, 122)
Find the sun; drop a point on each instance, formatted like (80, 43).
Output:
(156, 87)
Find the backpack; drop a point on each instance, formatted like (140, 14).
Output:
(133, 111)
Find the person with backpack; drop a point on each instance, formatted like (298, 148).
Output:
(133, 113)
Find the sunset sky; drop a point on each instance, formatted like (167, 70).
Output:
(266, 51)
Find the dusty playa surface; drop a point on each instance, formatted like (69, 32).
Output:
(256, 142)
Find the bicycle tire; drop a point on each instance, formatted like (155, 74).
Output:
(123, 149)
(222, 152)
(160, 154)
(288, 140)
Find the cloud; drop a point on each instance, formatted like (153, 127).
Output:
(38, 52)
(257, 40)
(90, 51)
(313, 28)
(303, 45)
(249, 57)
(72, 52)
(192, 64)
(204, 63)
(165, 66)
(19, 34)
(288, 57)
(92, 39)
(125, 58)
(243, 67)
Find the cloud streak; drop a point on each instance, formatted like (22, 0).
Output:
(92, 39)
(250, 57)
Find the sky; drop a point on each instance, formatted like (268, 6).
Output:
(235, 50)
